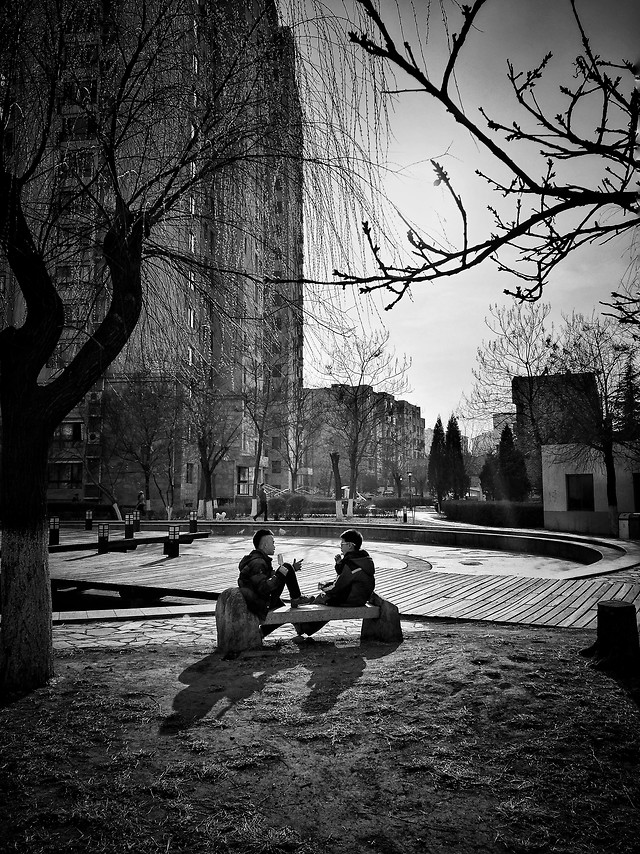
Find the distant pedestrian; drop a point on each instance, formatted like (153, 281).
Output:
(262, 504)
(141, 505)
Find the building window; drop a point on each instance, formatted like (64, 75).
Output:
(189, 475)
(276, 466)
(275, 443)
(243, 480)
(580, 492)
(69, 432)
(65, 475)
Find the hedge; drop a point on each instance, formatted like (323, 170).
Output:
(496, 514)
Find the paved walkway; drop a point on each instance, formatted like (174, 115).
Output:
(425, 581)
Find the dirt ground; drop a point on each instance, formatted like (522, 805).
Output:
(467, 737)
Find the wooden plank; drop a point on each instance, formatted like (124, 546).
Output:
(584, 607)
(492, 599)
(416, 587)
(570, 605)
(548, 591)
(318, 613)
(513, 609)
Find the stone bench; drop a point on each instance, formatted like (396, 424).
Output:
(238, 629)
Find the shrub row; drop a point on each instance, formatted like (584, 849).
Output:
(496, 514)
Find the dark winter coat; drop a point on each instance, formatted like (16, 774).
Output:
(258, 580)
(355, 582)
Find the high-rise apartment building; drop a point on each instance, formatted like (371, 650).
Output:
(193, 407)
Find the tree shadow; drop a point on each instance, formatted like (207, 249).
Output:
(215, 686)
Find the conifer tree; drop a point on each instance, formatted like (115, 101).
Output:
(437, 471)
(514, 481)
(490, 477)
(627, 403)
(457, 479)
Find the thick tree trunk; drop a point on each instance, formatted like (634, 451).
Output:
(335, 459)
(30, 413)
(612, 491)
(26, 644)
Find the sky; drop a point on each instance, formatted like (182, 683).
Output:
(439, 326)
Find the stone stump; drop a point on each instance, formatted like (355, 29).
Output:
(236, 627)
(386, 628)
(616, 647)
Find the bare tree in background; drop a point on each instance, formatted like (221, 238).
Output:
(597, 347)
(144, 417)
(567, 383)
(519, 347)
(362, 371)
(552, 208)
(297, 424)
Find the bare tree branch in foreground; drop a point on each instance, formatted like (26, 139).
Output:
(553, 208)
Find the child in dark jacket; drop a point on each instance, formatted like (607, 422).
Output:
(355, 582)
(261, 584)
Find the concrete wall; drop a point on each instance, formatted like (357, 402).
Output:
(561, 460)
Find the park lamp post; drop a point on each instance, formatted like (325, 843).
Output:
(54, 531)
(88, 520)
(172, 543)
(103, 538)
(193, 521)
(410, 503)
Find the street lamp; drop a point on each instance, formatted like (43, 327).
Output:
(409, 476)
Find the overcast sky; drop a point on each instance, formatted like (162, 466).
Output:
(441, 325)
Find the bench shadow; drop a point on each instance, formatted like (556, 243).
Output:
(215, 686)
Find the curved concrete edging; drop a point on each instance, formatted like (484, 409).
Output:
(583, 551)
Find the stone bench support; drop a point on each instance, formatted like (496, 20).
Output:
(238, 629)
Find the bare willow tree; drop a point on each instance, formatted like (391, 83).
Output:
(552, 207)
(362, 373)
(107, 130)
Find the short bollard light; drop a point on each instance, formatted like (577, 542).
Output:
(128, 526)
(193, 521)
(103, 539)
(172, 543)
(88, 520)
(136, 520)
(54, 531)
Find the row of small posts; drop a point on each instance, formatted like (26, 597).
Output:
(131, 526)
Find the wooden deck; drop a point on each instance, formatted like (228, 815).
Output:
(206, 567)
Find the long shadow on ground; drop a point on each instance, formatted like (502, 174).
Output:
(215, 686)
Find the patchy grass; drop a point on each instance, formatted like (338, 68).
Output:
(465, 738)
